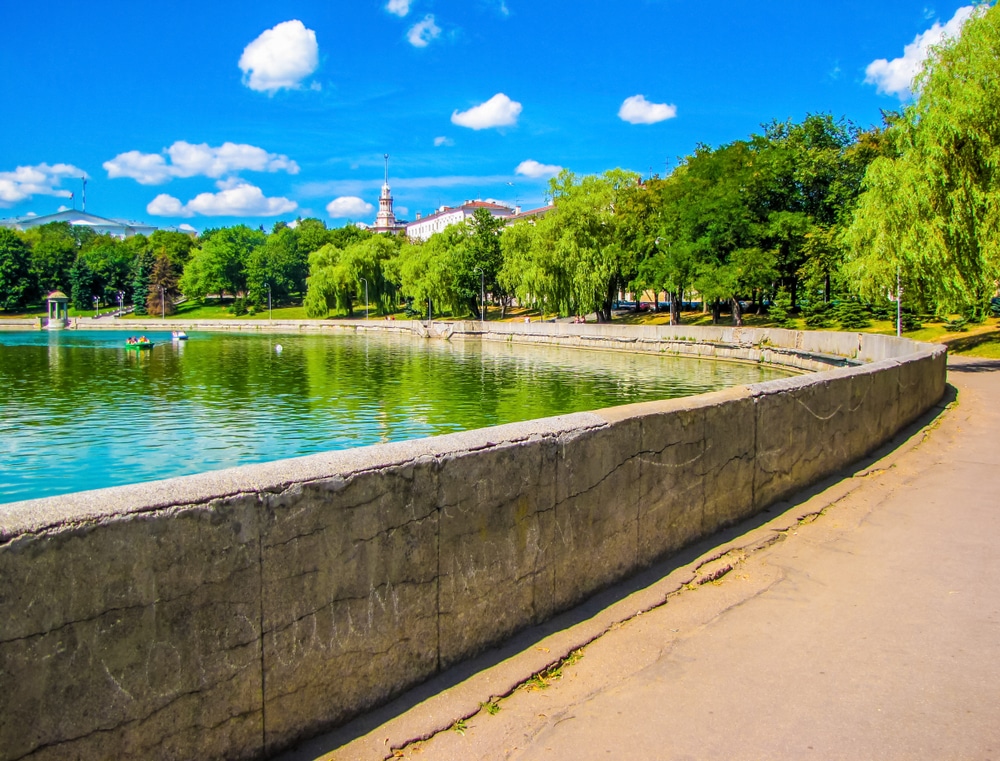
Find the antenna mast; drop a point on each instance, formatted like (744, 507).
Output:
(386, 155)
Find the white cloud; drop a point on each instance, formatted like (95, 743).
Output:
(532, 168)
(422, 33)
(896, 77)
(349, 207)
(638, 110)
(190, 160)
(498, 111)
(167, 206)
(280, 58)
(439, 141)
(39, 180)
(399, 7)
(236, 198)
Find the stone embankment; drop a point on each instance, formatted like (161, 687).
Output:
(229, 614)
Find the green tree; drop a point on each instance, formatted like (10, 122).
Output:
(140, 282)
(110, 262)
(17, 286)
(53, 251)
(218, 265)
(484, 257)
(280, 264)
(337, 276)
(176, 246)
(586, 230)
(163, 291)
(931, 212)
(312, 235)
(81, 279)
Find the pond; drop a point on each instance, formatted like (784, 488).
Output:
(78, 411)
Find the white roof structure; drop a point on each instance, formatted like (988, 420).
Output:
(119, 228)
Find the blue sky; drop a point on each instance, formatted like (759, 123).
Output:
(212, 113)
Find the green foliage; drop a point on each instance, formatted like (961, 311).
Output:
(219, 264)
(53, 251)
(163, 291)
(931, 207)
(852, 315)
(17, 285)
(81, 280)
(818, 314)
(278, 263)
(337, 276)
(140, 285)
(780, 310)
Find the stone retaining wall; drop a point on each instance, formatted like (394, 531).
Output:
(228, 614)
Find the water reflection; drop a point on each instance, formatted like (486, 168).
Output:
(78, 411)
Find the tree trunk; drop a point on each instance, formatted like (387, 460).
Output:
(737, 313)
(716, 311)
(675, 307)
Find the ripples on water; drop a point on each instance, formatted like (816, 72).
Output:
(78, 411)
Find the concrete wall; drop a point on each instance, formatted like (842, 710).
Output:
(228, 614)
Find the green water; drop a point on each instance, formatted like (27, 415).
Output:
(78, 411)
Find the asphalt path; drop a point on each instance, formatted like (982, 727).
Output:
(858, 621)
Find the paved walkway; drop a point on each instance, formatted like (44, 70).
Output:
(862, 622)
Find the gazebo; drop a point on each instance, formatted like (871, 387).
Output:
(58, 310)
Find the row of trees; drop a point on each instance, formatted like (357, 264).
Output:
(798, 217)
(736, 224)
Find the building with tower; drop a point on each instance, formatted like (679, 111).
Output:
(385, 220)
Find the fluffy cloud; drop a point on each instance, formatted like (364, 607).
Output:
(439, 141)
(638, 110)
(235, 198)
(896, 77)
(532, 168)
(422, 33)
(190, 160)
(498, 111)
(280, 58)
(42, 179)
(349, 207)
(399, 7)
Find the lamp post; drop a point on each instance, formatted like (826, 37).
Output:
(482, 293)
(366, 295)
(269, 302)
(163, 303)
(121, 303)
(899, 304)
(97, 303)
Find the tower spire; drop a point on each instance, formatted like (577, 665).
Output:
(386, 168)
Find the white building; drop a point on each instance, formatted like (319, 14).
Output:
(424, 227)
(118, 228)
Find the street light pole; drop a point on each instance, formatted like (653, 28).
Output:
(366, 295)
(269, 302)
(163, 303)
(97, 303)
(121, 303)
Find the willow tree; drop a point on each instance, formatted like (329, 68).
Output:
(932, 212)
